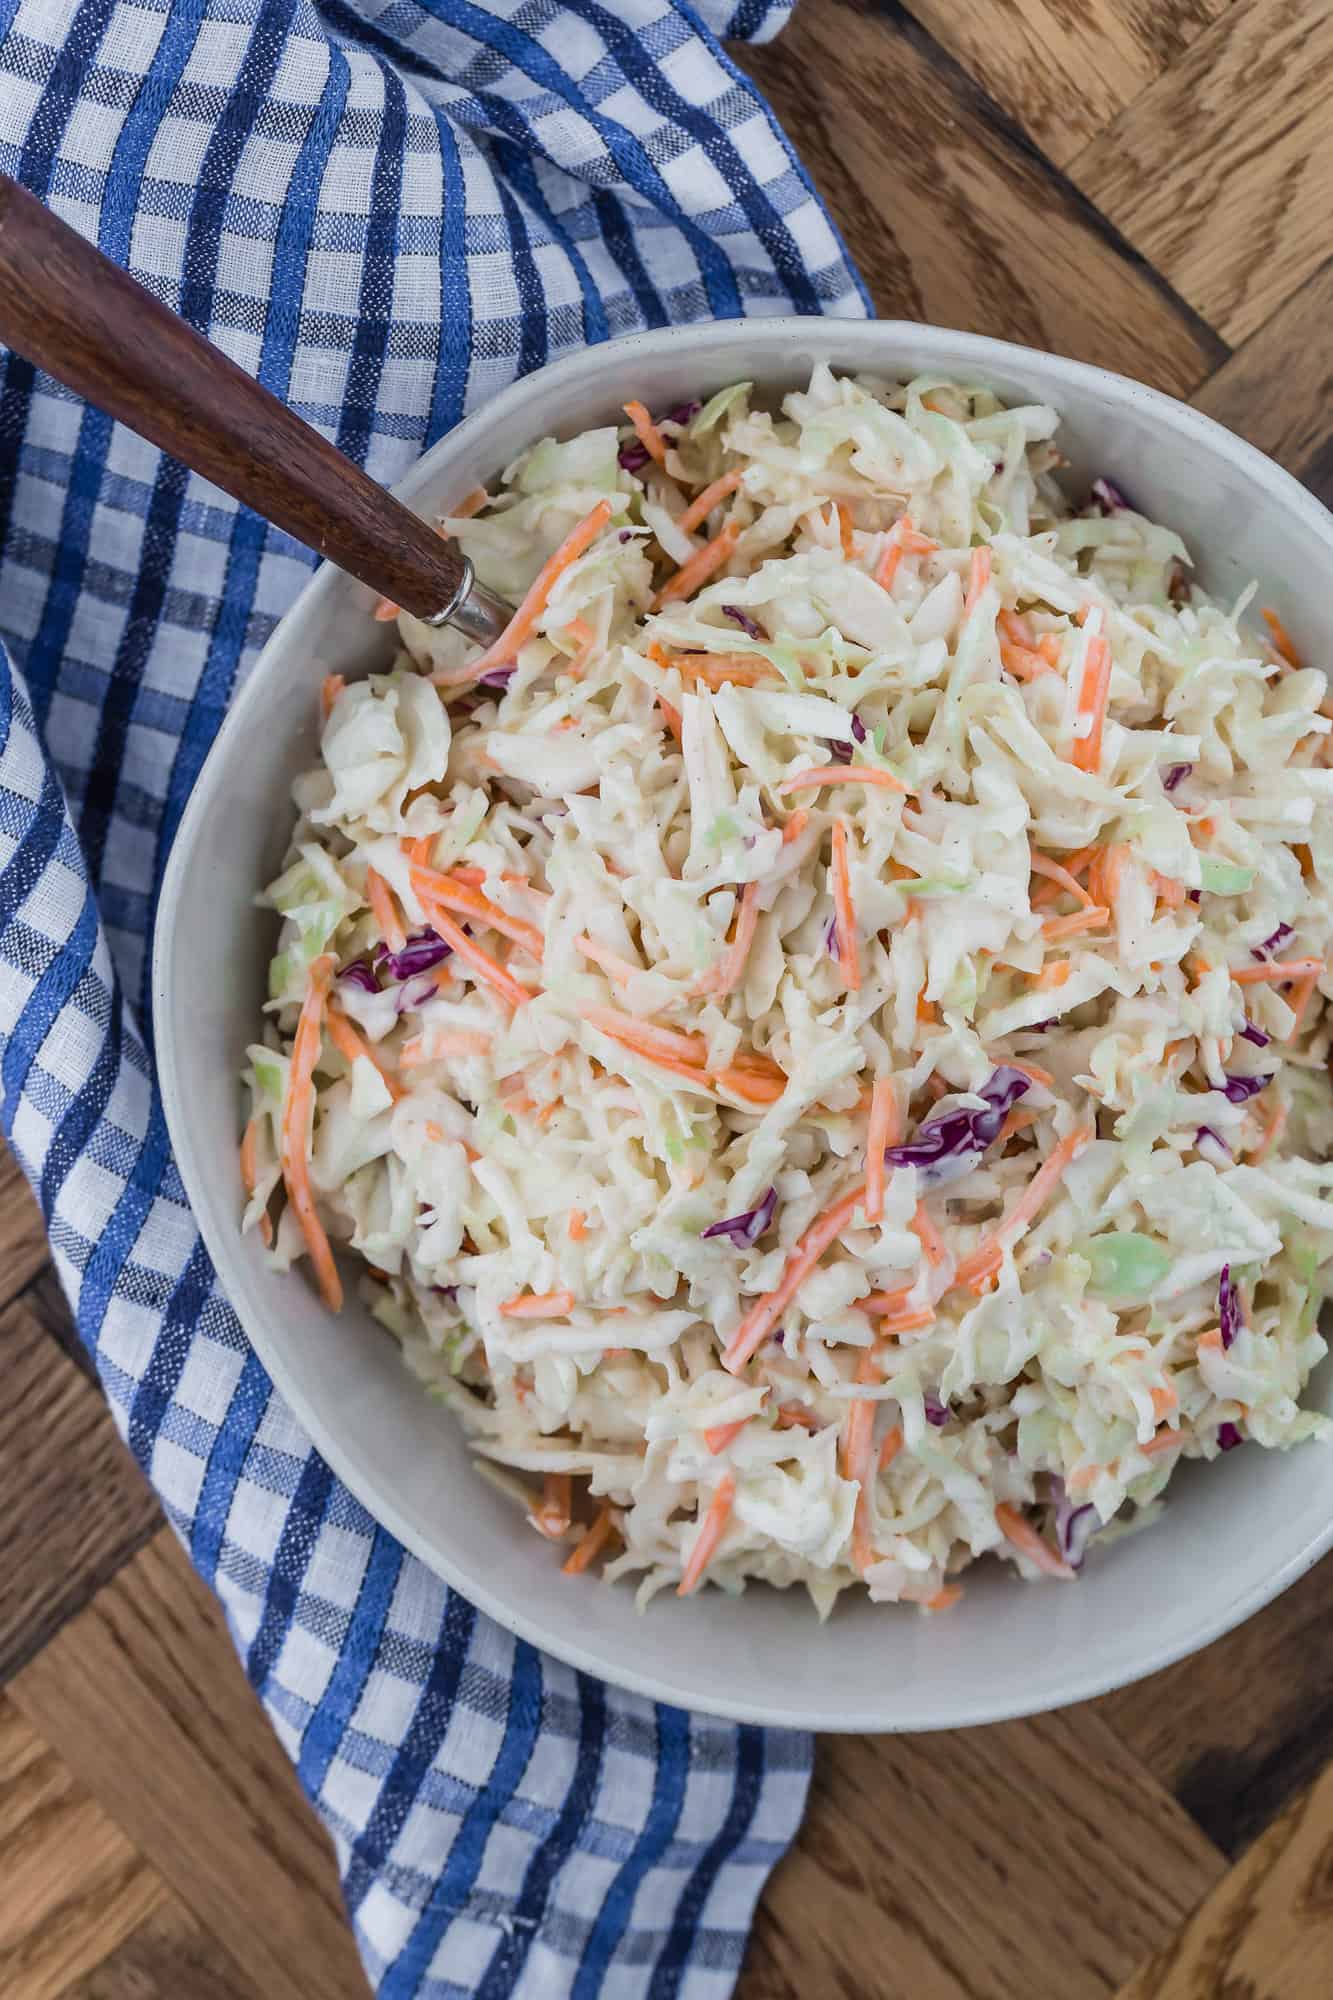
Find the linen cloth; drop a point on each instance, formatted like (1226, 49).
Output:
(386, 209)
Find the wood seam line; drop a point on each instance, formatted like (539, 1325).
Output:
(1012, 135)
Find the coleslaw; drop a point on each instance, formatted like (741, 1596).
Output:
(817, 1038)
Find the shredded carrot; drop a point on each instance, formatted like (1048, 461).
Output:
(764, 1314)
(1049, 649)
(1164, 1400)
(385, 611)
(1016, 1120)
(646, 431)
(719, 1436)
(445, 891)
(846, 530)
(890, 1445)
(483, 965)
(1300, 1002)
(383, 910)
(844, 909)
(701, 565)
(978, 578)
(717, 670)
(297, 1116)
(944, 1600)
(759, 1090)
(727, 975)
(578, 1225)
(1023, 665)
(792, 1416)
(671, 716)
(1016, 629)
(538, 1305)
(1091, 919)
(1169, 892)
(438, 1043)
(1025, 1538)
(1282, 641)
(350, 1044)
(521, 625)
(884, 1302)
(552, 1517)
(330, 688)
(1064, 878)
(902, 540)
(841, 774)
(1034, 1070)
(1275, 970)
(646, 1037)
(1053, 975)
(984, 1261)
(907, 1322)
(703, 503)
(1164, 1441)
(882, 1131)
(1092, 695)
(926, 1010)
(795, 826)
(711, 1530)
(927, 1235)
(250, 1176)
(1211, 1339)
(591, 1543)
(615, 967)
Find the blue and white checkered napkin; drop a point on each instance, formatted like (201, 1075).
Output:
(386, 209)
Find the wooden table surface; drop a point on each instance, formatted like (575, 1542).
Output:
(1142, 183)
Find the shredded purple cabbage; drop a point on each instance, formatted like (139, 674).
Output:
(1240, 1089)
(496, 677)
(831, 934)
(1040, 1027)
(1228, 1437)
(750, 626)
(449, 1292)
(1174, 776)
(747, 1227)
(419, 954)
(1230, 1315)
(1105, 497)
(839, 749)
(632, 457)
(1207, 1132)
(625, 535)
(937, 1413)
(948, 1146)
(358, 973)
(1256, 1035)
(681, 413)
(1074, 1526)
(1270, 944)
(1195, 895)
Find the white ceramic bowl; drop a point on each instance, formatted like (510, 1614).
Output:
(1235, 1533)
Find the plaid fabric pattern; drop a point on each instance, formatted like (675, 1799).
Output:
(385, 209)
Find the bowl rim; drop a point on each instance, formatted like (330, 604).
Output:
(913, 1710)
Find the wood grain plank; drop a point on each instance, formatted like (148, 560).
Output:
(1240, 1728)
(1266, 1931)
(1220, 172)
(952, 218)
(1061, 68)
(1028, 1859)
(74, 1886)
(1277, 390)
(154, 1715)
(23, 1247)
(73, 1505)
(169, 1957)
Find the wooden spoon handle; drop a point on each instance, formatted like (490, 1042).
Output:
(74, 313)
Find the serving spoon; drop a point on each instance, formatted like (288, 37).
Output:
(71, 311)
